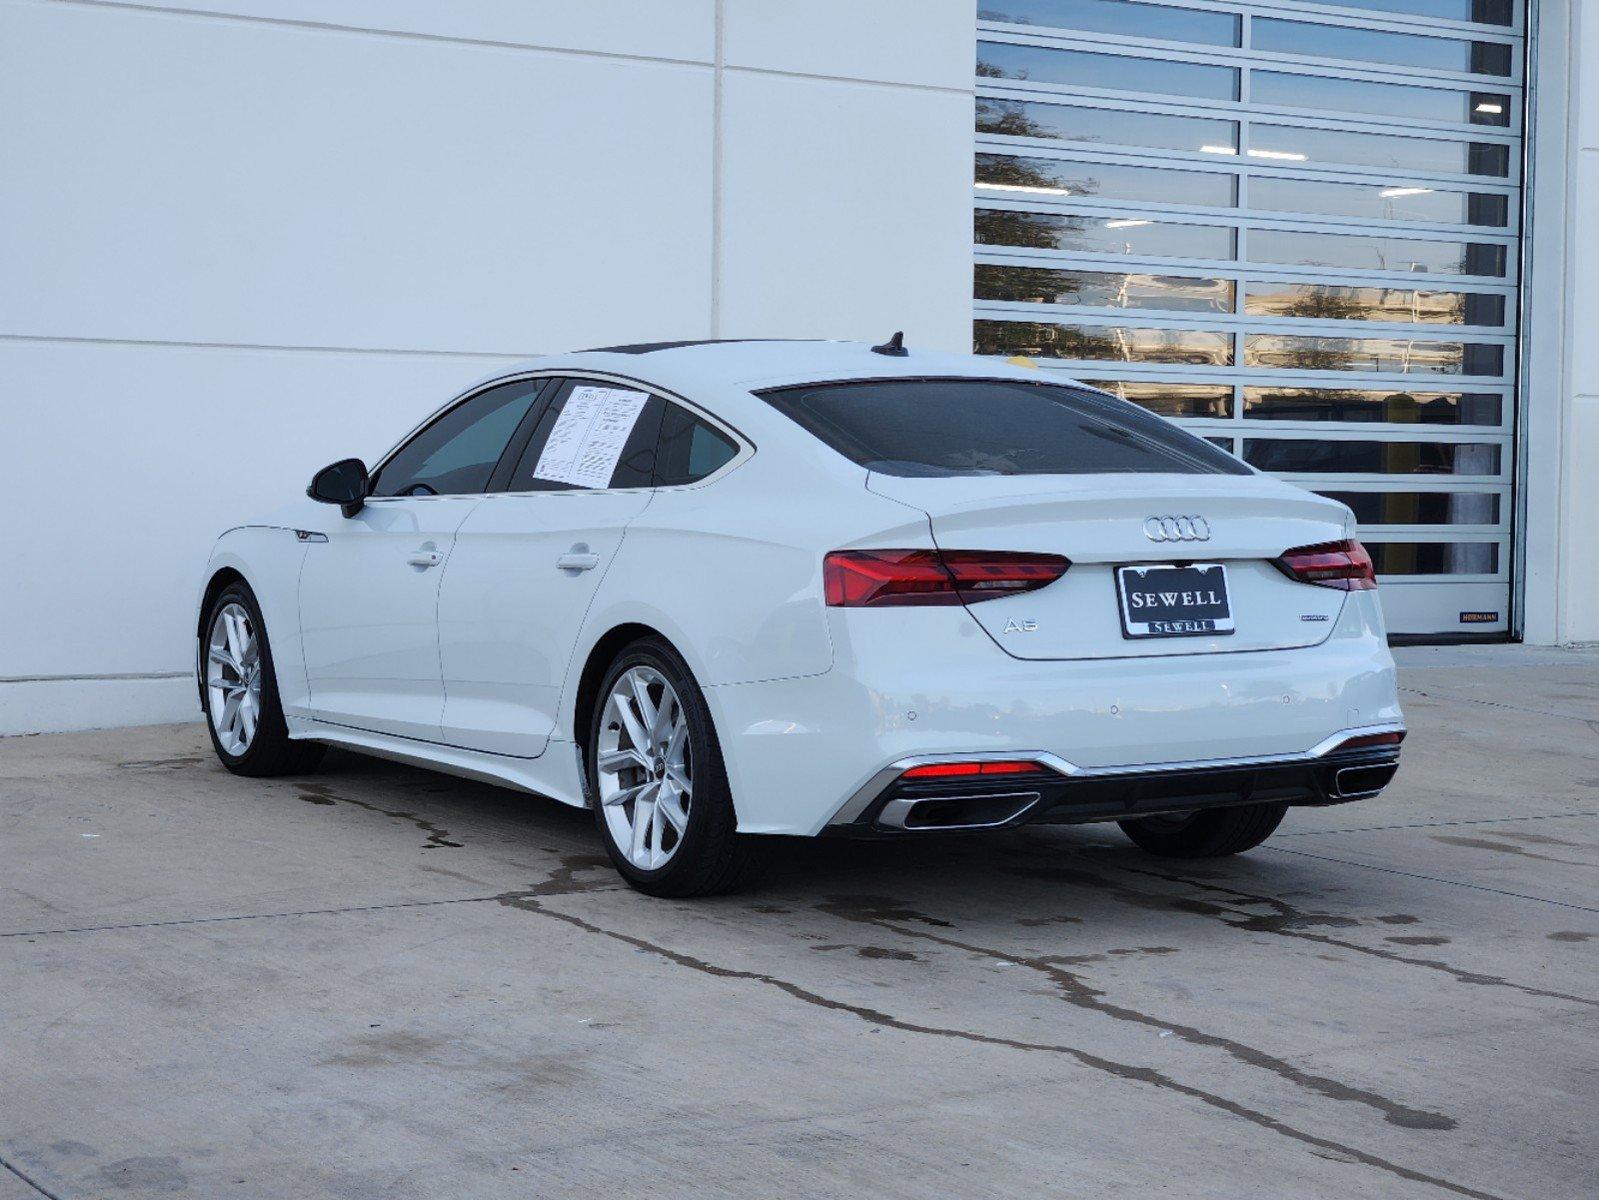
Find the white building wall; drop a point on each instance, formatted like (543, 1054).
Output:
(242, 238)
(1578, 551)
(1560, 416)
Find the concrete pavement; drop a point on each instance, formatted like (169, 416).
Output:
(381, 982)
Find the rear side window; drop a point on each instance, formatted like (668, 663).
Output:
(591, 435)
(930, 427)
(690, 449)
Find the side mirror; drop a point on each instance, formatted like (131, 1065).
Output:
(344, 483)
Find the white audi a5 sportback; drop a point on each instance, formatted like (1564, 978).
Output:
(716, 590)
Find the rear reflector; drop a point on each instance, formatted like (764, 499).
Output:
(946, 770)
(1372, 739)
(1342, 565)
(878, 578)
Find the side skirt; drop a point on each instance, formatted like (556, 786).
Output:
(555, 773)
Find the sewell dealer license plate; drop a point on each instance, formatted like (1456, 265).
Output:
(1172, 601)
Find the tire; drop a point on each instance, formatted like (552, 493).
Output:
(268, 749)
(1215, 833)
(707, 856)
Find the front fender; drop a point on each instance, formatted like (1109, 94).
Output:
(269, 558)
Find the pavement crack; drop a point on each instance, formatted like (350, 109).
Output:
(302, 912)
(1299, 833)
(1455, 698)
(1476, 887)
(529, 901)
(29, 1180)
(1077, 992)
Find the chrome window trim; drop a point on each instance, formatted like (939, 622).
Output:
(746, 448)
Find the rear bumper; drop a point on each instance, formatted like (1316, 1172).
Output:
(930, 682)
(1064, 794)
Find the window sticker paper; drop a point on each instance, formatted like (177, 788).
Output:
(589, 435)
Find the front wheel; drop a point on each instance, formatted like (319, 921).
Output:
(1214, 833)
(239, 692)
(655, 770)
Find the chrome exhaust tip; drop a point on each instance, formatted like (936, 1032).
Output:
(1358, 783)
(987, 811)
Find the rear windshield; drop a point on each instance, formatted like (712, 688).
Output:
(927, 427)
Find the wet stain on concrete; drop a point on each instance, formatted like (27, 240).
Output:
(888, 953)
(1542, 839)
(161, 764)
(1474, 843)
(149, 1173)
(1418, 940)
(1035, 922)
(770, 909)
(880, 952)
(1571, 935)
(1399, 919)
(438, 837)
(528, 901)
(1075, 990)
(1237, 919)
(1145, 950)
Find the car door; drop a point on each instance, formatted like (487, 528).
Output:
(369, 594)
(529, 559)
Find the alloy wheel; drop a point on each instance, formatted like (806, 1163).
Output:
(233, 678)
(643, 766)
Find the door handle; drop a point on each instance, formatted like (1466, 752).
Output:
(425, 558)
(578, 562)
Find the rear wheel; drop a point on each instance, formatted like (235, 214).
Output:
(661, 796)
(1213, 833)
(239, 692)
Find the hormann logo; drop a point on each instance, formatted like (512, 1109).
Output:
(1177, 529)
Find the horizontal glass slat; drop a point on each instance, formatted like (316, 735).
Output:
(1330, 456)
(1110, 126)
(1114, 72)
(1103, 289)
(1118, 17)
(1483, 12)
(1380, 201)
(1377, 356)
(1174, 399)
(1101, 233)
(1283, 403)
(1115, 343)
(1380, 46)
(1434, 558)
(1055, 178)
(1302, 144)
(1322, 94)
(1353, 252)
(1329, 302)
(1421, 508)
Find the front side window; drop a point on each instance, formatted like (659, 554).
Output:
(456, 454)
(932, 427)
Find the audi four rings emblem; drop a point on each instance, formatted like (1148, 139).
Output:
(1177, 529)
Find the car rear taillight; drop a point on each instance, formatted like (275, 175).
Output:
(878, 578)
(1342, 565)
(1367, 740)
(951, 770)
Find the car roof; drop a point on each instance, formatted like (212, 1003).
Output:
(749, 365)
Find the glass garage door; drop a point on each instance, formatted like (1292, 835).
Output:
(1292, 226)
